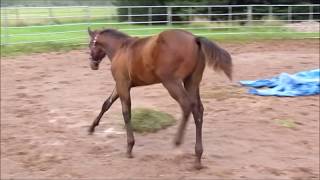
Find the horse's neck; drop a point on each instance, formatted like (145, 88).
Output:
(113, 45)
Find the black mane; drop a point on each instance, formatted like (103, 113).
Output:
(114, 33)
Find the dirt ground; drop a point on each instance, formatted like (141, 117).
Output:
(49, 100)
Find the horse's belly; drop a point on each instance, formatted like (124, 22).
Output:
(144, 78)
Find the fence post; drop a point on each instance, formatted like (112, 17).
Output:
(230, 15)
(270, 15)
(249, 15)
(310, 13)
(289, 14)
(5, 23)
(169, 12)
(209, 12)
(189, 14)
(129, 15)
(17, 13)
(50, 14)
(150, 15)
(88, 15)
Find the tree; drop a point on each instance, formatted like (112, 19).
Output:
(124, 12)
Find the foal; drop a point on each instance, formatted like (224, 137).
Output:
(175, 58)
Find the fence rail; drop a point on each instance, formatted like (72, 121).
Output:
(173, 6)
(27, 25)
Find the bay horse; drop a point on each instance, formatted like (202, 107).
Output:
(175, 58)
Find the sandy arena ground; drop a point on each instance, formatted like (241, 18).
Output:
(49, 100)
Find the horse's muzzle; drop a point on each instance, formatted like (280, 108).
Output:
(94, 65)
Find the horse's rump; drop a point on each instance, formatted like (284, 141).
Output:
(174, 53)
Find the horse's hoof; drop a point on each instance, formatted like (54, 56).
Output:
(90, 131)
(130, 156)
(198, 166)
(177, 143)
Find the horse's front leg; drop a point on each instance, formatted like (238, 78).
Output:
(124, 94)
(106, 105)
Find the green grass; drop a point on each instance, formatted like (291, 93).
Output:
(17, 50)
(286, 123)
(80, 31)
(78, 37)
(37, 16)
(147, 120)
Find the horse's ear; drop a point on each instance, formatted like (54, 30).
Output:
(91, 33)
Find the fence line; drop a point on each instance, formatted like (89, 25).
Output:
(172, 6)
(141, 15)
(248, 16)
(154, 22)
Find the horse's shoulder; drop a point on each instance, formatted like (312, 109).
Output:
(140, 42)
(119, 64)
(127, 43)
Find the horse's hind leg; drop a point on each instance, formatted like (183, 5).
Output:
(178, 92)
(106, 105)
(197, 112)
(189, 100)
(192, 86)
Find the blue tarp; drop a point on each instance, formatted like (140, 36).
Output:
(300, 84)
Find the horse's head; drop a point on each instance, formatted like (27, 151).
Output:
(97, 51)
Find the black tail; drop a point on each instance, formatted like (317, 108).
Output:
(215, 56)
